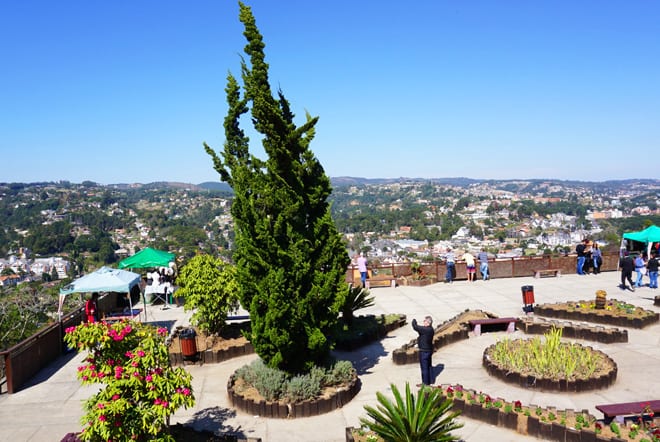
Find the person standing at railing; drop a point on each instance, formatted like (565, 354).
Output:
(450, 260)
(483, 264)
(362, 268)
(581, 257)
(597, 258)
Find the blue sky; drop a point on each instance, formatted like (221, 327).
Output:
(127, 91)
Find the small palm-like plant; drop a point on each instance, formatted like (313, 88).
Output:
(422, 418)
(356, 299)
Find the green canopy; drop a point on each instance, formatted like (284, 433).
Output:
(648, 235)
(147, 258)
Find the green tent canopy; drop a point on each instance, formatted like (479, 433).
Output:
(649, 235)
(147, 258)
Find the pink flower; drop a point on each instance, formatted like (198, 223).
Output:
(140, 353)
(156, 401)
(84, 378)
(101, 405)
(148, 378)
(102, 418)
(164, 404)
(162, 331)
(128, 354)
(186, 391)
(115, 397)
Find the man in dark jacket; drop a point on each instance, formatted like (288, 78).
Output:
(425, 348)
(627, 266)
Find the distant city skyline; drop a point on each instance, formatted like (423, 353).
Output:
(128, 92)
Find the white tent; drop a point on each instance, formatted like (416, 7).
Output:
(104, 279)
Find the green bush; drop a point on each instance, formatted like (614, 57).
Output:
(341, 373)
(302, 387)
(276, 385)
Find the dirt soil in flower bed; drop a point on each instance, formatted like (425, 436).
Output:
(584, 310)
(230, 336)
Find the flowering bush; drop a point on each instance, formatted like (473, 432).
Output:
(141, 389)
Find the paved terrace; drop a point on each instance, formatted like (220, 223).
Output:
(51, 405)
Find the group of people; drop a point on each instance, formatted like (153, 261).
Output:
(642, 265)
(470, 265)
(589, 258)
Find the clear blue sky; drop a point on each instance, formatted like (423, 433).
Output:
(127, 91)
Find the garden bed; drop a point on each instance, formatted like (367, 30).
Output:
(450, 331)
(366, 329)
(546, 423)
(602, 377)
(618, 313)
(532, 325)
(248, 399)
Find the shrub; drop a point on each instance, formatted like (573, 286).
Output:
(421, 418)
(302, 387)
(141, 390)
(275, 385)
(341, 373)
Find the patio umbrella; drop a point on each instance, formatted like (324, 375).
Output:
(147, 258)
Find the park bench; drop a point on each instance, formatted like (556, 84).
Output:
(547, 272)
(476, 324)
(612, 411)
(379, 280)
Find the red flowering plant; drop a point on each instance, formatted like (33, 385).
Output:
(141, 389)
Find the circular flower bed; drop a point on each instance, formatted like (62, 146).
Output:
(614, 313)
(550, 365)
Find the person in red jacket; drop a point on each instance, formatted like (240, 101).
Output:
(92, 308)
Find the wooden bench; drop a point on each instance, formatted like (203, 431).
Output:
(477, 323)
(546, 272)
(381, 281)
(374, 281)
(612, 411)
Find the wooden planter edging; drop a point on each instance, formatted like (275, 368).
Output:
(367, 338)
(530, 425)
(282, 410)
(603, 335)
(548, 384)
(407, 354)
(598, 316)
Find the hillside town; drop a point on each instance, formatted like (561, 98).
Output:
(389, 220)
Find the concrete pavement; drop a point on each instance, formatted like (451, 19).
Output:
(52, 405)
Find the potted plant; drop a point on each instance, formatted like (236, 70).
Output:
(601, 299)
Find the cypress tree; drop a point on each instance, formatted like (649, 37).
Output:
(290, 258)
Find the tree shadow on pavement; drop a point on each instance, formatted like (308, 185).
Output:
(364, 358)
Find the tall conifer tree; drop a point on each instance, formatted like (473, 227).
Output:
(290, 257)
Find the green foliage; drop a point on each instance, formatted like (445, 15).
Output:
(274, 384)
(410, 418)
(140, 391)
(550, 358)
(302, 387)
(208, 286)
(290, 258)
(356, 299)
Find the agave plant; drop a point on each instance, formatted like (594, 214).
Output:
(422, 418)
(356, 299)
